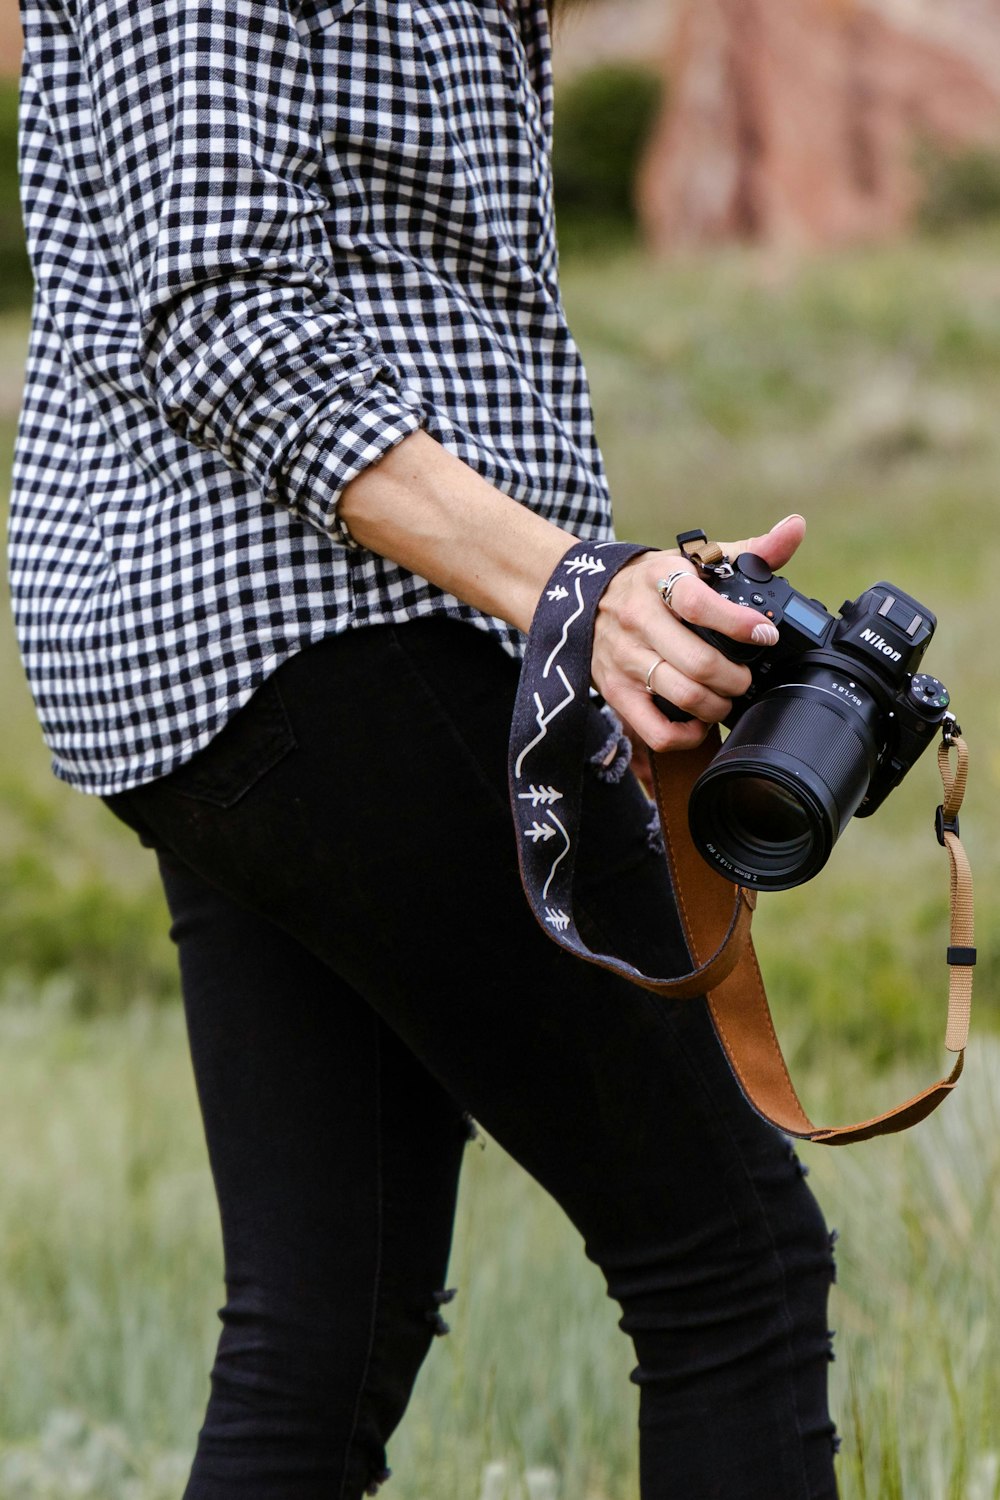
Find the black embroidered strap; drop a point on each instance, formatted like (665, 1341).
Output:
(546, 763)
(546, 767)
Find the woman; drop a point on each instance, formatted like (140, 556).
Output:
(304, 436)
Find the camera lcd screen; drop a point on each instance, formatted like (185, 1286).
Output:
(806, 617)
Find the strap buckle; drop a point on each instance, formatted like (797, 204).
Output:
(944, 824)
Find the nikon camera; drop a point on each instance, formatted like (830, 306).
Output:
(835, 716)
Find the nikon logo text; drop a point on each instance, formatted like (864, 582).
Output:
(880, 645)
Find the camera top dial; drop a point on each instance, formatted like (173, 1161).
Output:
(929, 696)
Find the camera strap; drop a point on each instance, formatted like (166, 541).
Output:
(546, 770)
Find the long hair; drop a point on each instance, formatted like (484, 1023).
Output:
(559, 8)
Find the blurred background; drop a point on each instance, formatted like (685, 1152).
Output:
(780, 236)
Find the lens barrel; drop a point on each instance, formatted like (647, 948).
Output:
(789, 778)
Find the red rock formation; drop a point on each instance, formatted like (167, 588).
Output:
(10, 39)
(794, 122)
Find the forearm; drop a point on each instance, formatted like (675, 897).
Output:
(427, 510)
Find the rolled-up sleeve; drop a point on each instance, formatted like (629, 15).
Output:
(207, 122)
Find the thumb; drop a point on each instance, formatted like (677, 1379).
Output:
(776, 546)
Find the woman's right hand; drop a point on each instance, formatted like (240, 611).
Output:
(634, 630)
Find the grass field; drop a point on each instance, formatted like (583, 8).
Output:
(862, 390)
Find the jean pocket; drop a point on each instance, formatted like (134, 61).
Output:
(254, 740)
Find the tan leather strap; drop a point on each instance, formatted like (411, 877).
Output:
(718, 912)
(739, 1005)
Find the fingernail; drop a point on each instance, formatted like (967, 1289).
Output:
(765, 634)
(793, 517)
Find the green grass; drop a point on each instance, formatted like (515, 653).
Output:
(109, 1259)
(859, 389)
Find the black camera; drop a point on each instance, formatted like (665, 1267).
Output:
(835, 716)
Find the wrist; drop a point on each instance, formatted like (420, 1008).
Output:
(430, 512)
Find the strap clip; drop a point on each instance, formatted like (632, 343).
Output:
(943, 825)
(708, 557)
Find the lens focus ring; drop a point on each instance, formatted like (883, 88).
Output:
(792, 773)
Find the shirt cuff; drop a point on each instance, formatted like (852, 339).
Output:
(341, 447)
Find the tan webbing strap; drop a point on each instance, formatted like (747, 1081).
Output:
(962, 921)
(739, 1006)
(706, 555)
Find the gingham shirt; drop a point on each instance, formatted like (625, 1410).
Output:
(271, 238)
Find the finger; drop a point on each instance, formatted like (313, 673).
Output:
(661, 733)
(695, 603)
(697, 665)
(776, 547)
(692, 694)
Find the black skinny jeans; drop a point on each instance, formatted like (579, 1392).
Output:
(360, 969)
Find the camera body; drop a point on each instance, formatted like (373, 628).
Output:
(873, 648)
(835, 715)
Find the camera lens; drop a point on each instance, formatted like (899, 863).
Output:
(792, 773)
(764, 813)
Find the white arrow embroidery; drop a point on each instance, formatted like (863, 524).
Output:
(542, 796)
(558, 592)
(557, 919)
(539, 831)
(584, 564)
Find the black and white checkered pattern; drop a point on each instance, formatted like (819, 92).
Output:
(270, 238)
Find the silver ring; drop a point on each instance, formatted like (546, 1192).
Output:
(665, 586)
(657, 663)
